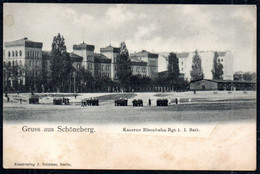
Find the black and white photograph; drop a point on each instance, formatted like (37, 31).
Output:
(129, 86)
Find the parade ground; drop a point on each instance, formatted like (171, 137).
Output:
(202, 107)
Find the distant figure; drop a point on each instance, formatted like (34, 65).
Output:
(82, 103)
(176, 101)
(75, 95)
(6, 95)
(21, 100)
(194, 91)
(149, 101)
(8, 99)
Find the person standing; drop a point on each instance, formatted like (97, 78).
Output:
(149, 102)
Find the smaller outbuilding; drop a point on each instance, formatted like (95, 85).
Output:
(207, 84)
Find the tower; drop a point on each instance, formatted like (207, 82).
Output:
(87, 52)
(112, 53)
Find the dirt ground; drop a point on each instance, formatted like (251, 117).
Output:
(202, 107)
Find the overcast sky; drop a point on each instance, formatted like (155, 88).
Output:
(156, 28)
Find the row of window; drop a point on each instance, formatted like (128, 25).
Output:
(15, 63)
(90, 58)
(102, 67)
(220, 60)
(138, 69)
(33, 54)
(33, 63)
(103, 74)
(15, 53)
(30, 54)
(33, 73)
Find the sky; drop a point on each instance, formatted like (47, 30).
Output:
(155, 28)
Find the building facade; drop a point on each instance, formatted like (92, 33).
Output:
(26, 56)
(185, 63)
(149, 59)
(207, 84)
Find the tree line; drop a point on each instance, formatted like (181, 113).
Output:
(63, 77)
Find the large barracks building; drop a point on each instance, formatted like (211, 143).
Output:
(29, 54)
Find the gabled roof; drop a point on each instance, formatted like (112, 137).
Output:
(75, 57)
(137, 62)
(24, 42)
(110, 49)
(100, 58)
(144, 53)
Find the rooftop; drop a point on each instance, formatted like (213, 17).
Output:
(110, 49)
(100, 58)
(144, 53)
(75, 57)
(83, 46)
(24, 42)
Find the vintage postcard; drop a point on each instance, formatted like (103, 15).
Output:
(129, 86)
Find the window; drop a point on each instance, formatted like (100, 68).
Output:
(221, 60)
(36, 63)
(12, 53)
(182, 63)
(181, 69)
(143, 69)
(16, 53)
(218, 60)
(9, 54)
(13, 63)
(36, 73)
(20, 52)
(16, 62)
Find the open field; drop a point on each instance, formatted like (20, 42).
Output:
(205, 107)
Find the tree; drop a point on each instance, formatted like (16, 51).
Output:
(248, 76)
(61, 64)
(217, 71)
(124, 71)
(84, 80)
(196, 72)
(173, 68)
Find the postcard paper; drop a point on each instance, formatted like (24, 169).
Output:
(129, 86)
